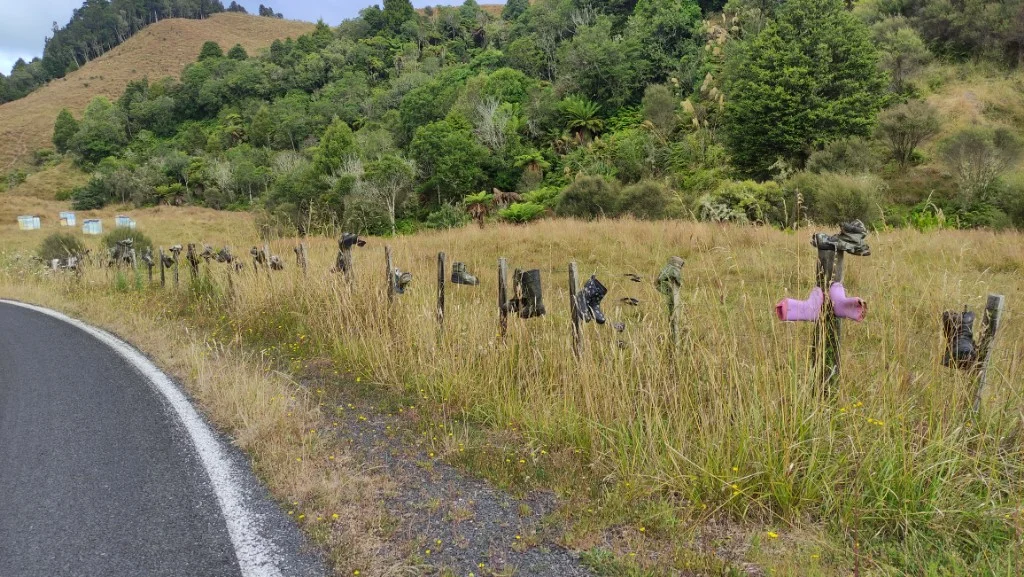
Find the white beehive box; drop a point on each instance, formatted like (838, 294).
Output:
(28, 222)
(92, 226)
(67, 219)
(121, 221)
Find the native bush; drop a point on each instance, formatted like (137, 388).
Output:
(852, 155)
(60, 245)
(140, 241)
(522, 212)
(646, 200)
(744, 201)
(589, 197)
(831, 198)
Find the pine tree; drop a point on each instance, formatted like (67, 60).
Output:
(810, 77)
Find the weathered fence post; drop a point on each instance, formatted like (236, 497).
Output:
(163, 280)
(300, 256)
(176, 251)
(266, 256)
(993, 313)
(390, 273)
(135, 262)
(828, 330)
(673, 318)
(346, 255)
(193, 261)
(503, 295)
(577, 331)
(440, 288)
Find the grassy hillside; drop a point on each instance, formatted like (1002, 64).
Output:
(162, 49)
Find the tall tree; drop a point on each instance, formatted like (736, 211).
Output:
(64, 129)
(808, 78)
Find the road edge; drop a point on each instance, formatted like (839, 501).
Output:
(257, 557)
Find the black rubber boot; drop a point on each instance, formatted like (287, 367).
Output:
(349, 240)
(588, 300)
(461, 276)
(958, 329)
(532, 302)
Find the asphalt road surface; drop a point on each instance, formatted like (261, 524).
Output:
(107, 470)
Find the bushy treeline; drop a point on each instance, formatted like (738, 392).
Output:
(95, 28)
(768, 112)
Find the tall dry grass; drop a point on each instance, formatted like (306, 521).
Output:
(735, 425)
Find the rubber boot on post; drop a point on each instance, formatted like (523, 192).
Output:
(588, 300)
(790, 310)
(958, 329)
(461, 276)
(532, 302)
(852, 308)
(402, 281)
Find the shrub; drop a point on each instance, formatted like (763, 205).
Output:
(447, 217)
(60, 245)
(589, 197)
(140, 241)
(831, 198)
(646, 200)
(522, 212)
(849, 155)
(906, 127)
(979, 156)
(744, 201)
(546, 196)
(89, 197)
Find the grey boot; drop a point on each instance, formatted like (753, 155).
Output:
(958, 329)
(588, 300)
(461, 276)
(402, 280)
(671, 275)
(532, 302)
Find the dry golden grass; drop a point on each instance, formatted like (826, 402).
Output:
(163, 222)
(46, 183)
(162, 49)
(732, 428)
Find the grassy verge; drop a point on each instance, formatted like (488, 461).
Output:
(675, 459)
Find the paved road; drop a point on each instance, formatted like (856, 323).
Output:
(107, 471)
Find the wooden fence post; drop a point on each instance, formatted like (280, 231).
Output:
(193, 261)
(135, 262)
(163, 280)
(993, 314)
(345, 258)
(176, 259)
(828, 330)
(300, 256)
(390, 273)
(503, 295)
(440, 287)
(577, 331)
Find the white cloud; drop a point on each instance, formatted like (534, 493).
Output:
(24, 26)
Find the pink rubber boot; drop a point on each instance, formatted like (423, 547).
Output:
(797, 310)
(852, 308)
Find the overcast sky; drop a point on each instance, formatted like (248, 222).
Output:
(24, 24)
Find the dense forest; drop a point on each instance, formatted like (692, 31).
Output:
(95, 28)
(763, 111)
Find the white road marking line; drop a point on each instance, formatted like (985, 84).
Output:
(256, 556)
